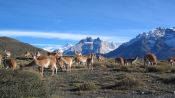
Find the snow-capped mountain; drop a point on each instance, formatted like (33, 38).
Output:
(60, 48)
(50, 49)
(63, 48)
(159, 41)
(88, 45)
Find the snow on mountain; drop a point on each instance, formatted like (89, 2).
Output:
(63, 48)
(88, 45)
(60, 48)
(159, 41)
(50, 49)
(151, 36)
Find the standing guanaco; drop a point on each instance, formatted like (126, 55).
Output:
(90, 61)
(150, 58)
(119, 60)
(45, 62)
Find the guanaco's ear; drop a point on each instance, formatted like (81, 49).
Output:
(48, 53)
(38, 54)
(34, 56)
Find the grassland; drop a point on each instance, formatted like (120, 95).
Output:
(107, 80)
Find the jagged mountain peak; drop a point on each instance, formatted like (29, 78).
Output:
(88, 45)
(159, 41)
(87, 39)
(155, 33)
(63, 48)
(68, 45)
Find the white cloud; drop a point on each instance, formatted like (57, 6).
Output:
(48, 47)
(59, 35)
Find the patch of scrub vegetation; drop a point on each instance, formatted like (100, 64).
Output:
(125, 83)
(23, 84)
(86, 86)
(158, 68)
(168, 79)
(100, 65)
(173, 69)
(123, 68)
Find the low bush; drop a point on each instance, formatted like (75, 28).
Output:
(86, 86)
(122, 68)
(128, 82)
(156, 69)
(23, 84)
(168, 80)
(173, 69)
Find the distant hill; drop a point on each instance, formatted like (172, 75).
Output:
(160, 41)
(88, 45)
(16, 47)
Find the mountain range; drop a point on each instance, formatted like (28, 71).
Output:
(89, 45)
(159, 41)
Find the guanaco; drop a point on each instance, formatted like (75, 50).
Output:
(45, 62)
(90, 61)
(27, 54)
(7, 54)
(10, 63)
(150, 58)
(171, 60)
(119, 60)
(100, 58)
(65, 62)
(131, 61)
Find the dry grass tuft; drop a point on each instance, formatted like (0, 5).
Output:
(168, 80)
(126, 83)
(19, 84)
(86, 86)
(158, 68)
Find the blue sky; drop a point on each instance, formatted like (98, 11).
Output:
(57, 22)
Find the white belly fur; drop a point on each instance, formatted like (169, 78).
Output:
(47, 64)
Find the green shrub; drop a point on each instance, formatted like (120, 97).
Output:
(155, 69)
(86, 86)
(127, 82)
(173, 69)
(168, 80)
(123, 68)
(23, 84)
(100, 65)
